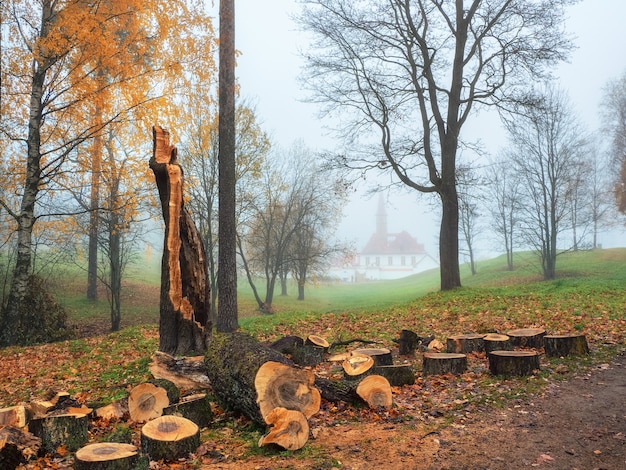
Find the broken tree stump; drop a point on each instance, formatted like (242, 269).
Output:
(185, 293)
(106, 456)
(397, 375)
(196, 408)
(169, 438)
(443, 363)
(290, 429)
(375, 391)
(381, 356)
(527, 337)
(513, 363)
(185, 372)
(233, 361)
(565, 345)
(496, 342)
(466, 343)
(146, 401)
(69, 430)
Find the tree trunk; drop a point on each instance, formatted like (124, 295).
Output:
(115, 259)
(227, 320)
(375, 391)
(233, 362)
(106, 456)
(185, 295)
(94, 214)
(397, 375)
(169, 438)
(449, 239)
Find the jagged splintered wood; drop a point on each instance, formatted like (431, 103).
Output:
(185, 293)
(290, 429)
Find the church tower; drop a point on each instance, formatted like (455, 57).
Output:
(381, 219)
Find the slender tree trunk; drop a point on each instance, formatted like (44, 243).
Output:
(300, 290)
(94, 215)
(227, 320)
(115, 260)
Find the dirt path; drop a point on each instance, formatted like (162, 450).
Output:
(578, 424)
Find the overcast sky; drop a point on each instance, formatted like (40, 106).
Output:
(269, 65)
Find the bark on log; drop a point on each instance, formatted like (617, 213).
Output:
(465, 344)
(496, 342)
(287, 344)
(527, 337)
(281, 386)
(513, 363)
(397, 375)
(196, 408)
(187, 373)
(106, 456)
(338, 391)
(146, 401)
(381, 356)
(233, 361)
(565, 345)
(290, 429)
(308, 355)
(17, 416)
(16, 446)
(443, 363)
(185, 292)
(173, 392)
(375, 391)
(169, 438)
(69, 430)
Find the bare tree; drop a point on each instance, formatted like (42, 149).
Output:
(405, 75)
(614, 120)
(547, 148)
(469, 213)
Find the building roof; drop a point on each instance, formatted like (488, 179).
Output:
(393, 244)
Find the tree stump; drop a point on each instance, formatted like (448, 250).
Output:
(565, 345)
(315, 340)
(465, 343)
(282, 386)
(443, 363)
(233, 361)
(408, 342)
(513, 363)
(287, 344)
(17, 416)
(496, 342)
(527, 337)
(169, 438)
(375, 391)
(69, 430)
(308, 355)
(357, 365)
(185, 293)
(146, 402)
(106, 456)
(381, 356)
(397, 375)
(196, 408)
(290, 429)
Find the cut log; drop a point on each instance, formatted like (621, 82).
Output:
(169, 438)
(16, 446)
(381, 356)
(233, 361)
(106, 456)
(397, 375)
(281, 386)
(496, 342)
(196, 408)
(17, 416)
(465, 343)
(527, 337)
(317, 341)
(290, 429)
(375, 391)
(173, 392)
(357, 365)
(565, 345)
(287, 344)
(339, 357)
(187, 373)
(69, 430)
(513, 363)
(146, 401)
(40, 408)
(443, 363)
(116, 410)
(308, 355)
(184, 323)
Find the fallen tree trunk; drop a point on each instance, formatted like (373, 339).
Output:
(185, 292)
(233, 361)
